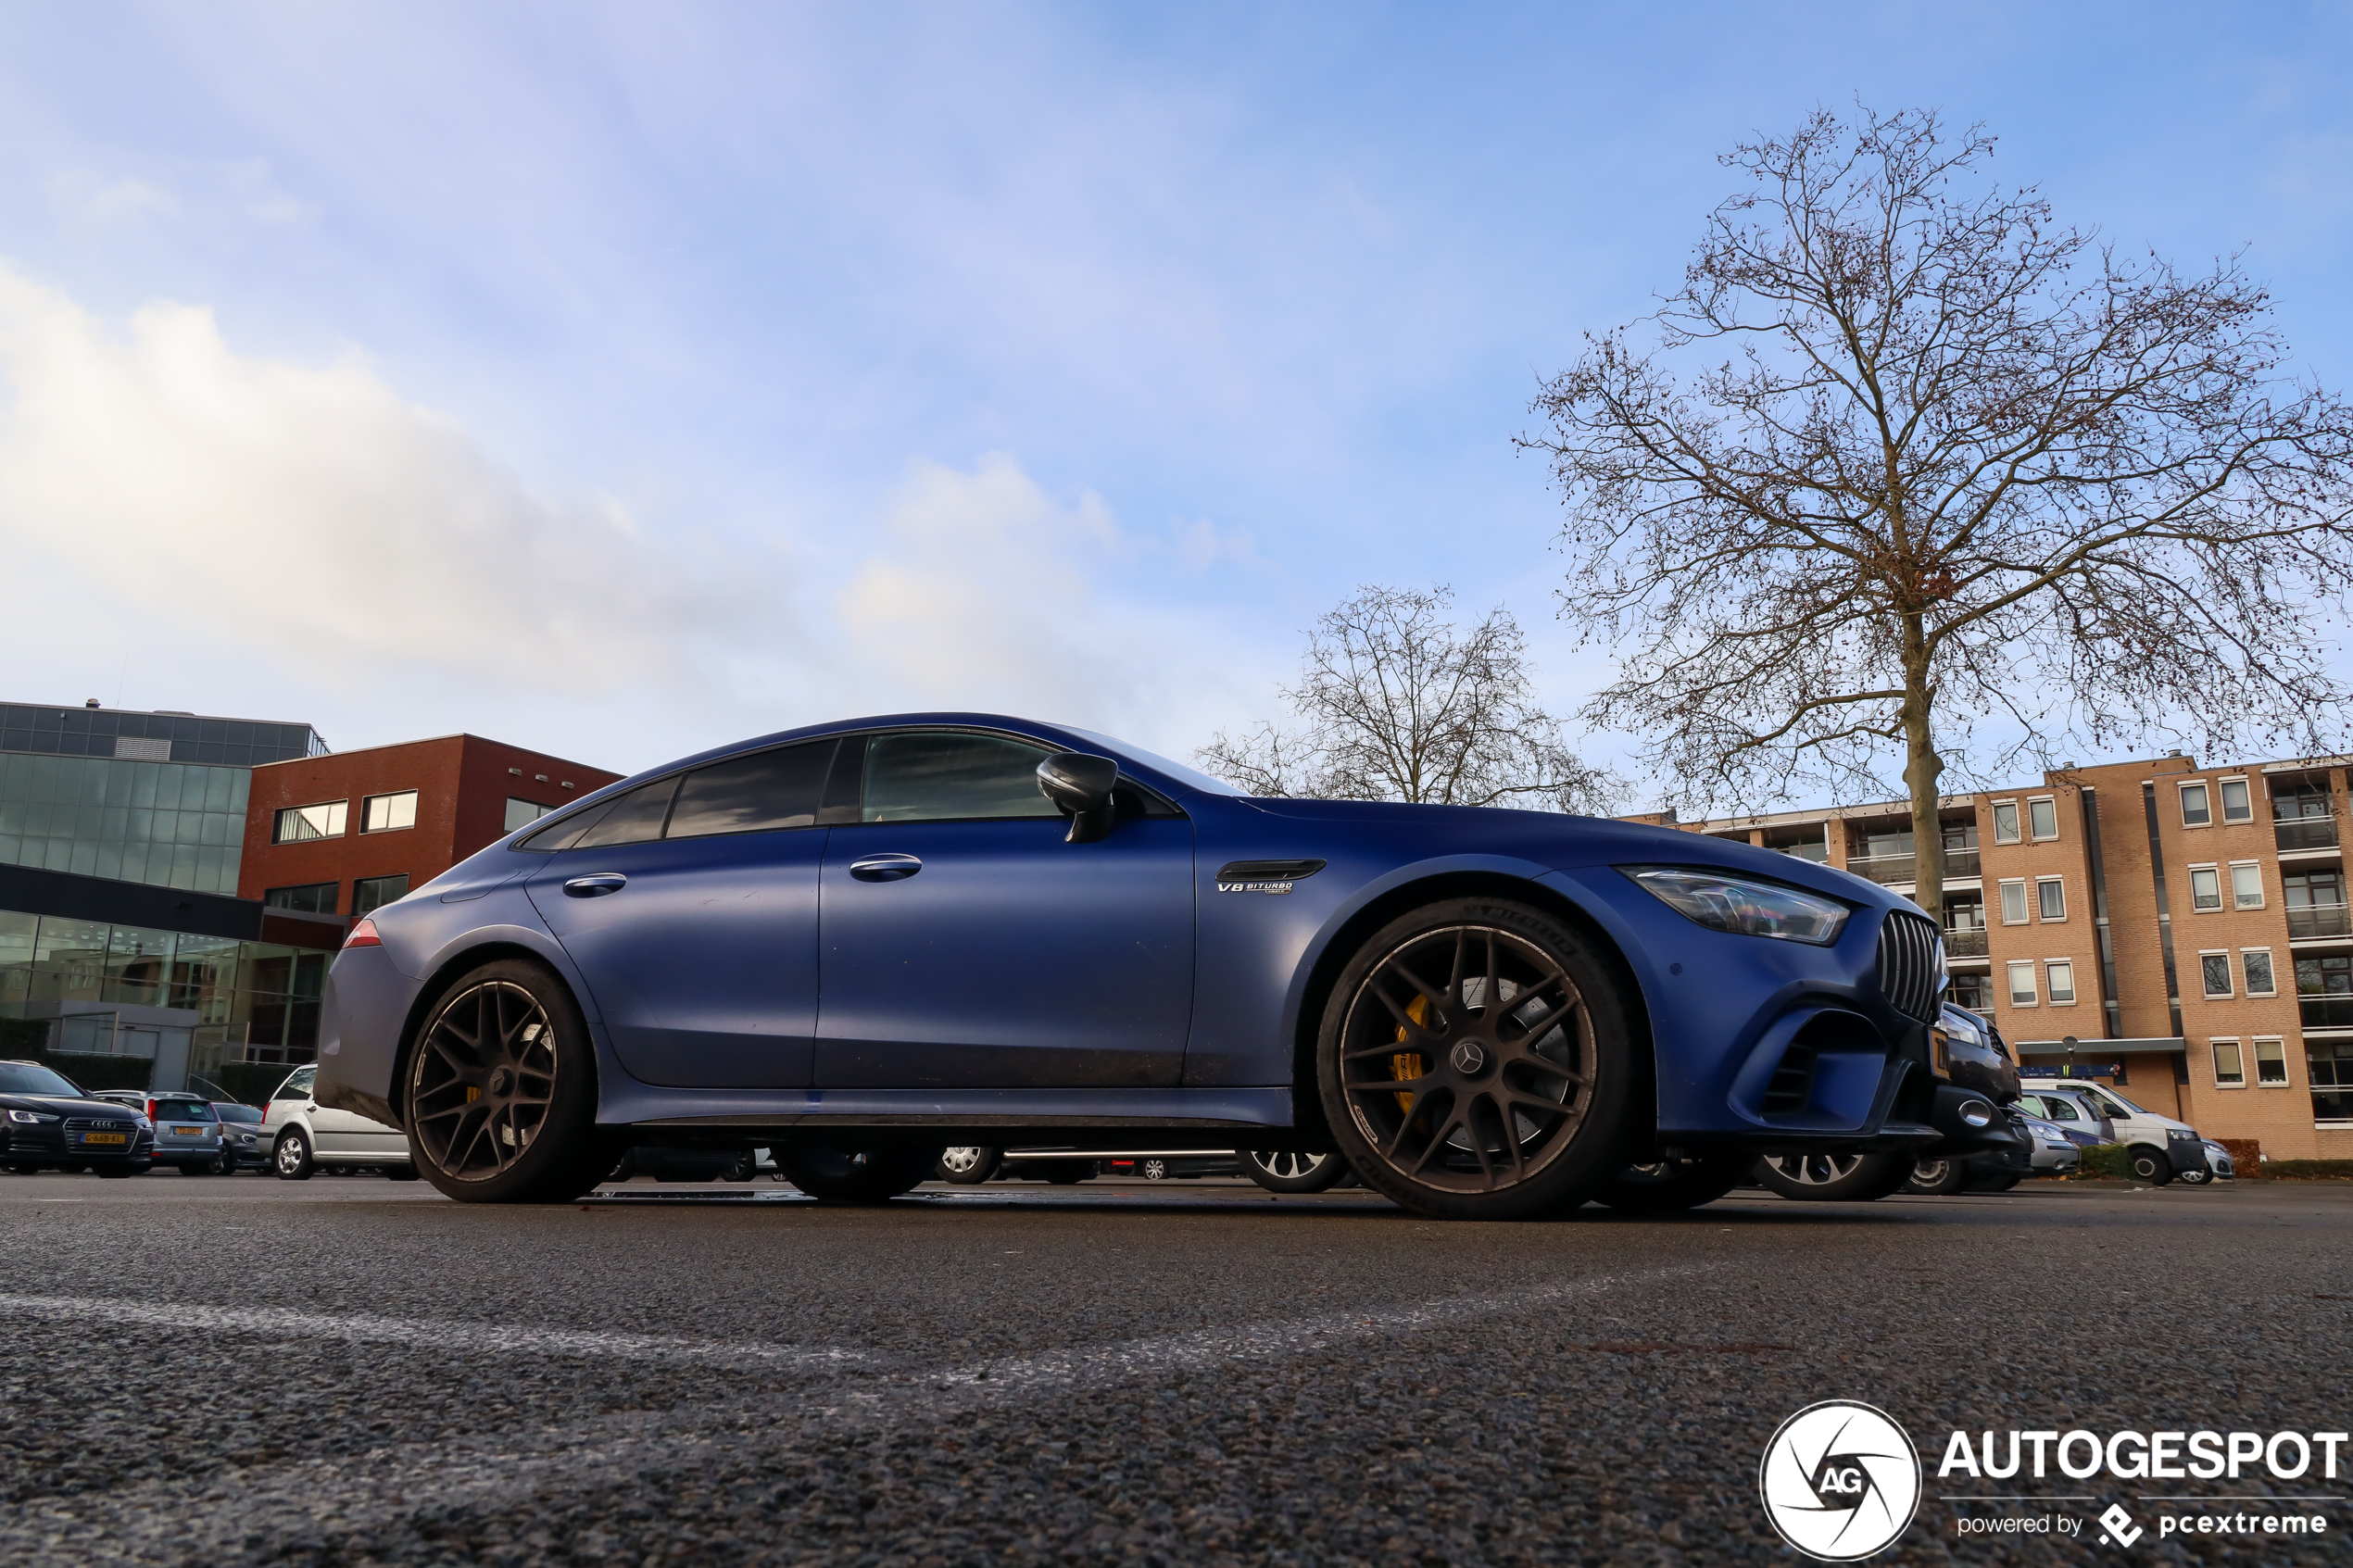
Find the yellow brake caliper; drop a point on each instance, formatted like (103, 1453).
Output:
(1408, 1064)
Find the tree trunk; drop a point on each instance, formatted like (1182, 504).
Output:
(1922, 770)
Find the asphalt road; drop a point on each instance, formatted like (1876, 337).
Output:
(347, 1371)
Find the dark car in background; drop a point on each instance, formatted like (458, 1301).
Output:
(240, 1146)
(47, 1123)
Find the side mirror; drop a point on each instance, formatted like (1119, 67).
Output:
(1080, 786)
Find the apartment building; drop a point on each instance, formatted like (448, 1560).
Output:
(2183, 927)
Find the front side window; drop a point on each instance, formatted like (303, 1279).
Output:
(766, 790)
(372, 893)
(932, 777)
(2256, 963)
(2206, 888)
(387, 812)
(2238, 805)
(311, 897)
(2051, 892)
(2041, 817)
(2062, 976)
(2195, 813)
(2005, 822)
(2014, 903)
(2271, 1062)
(2230, 1069)
(2215, 968)
(2021, 984)
(521, 813)
(300, 825)
(2247, 885)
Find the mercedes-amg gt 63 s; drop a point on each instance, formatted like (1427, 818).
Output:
(857, 944)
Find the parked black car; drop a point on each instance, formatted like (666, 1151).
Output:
(47, 1123)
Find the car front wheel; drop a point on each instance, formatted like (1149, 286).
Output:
(500, 1093)
(1936, 1178)
(860, 1176)
(1283, 1170)
(290, 1158)
(1834, 1178)
(2150, 1165)
(1476, 1062)
(1668, 1184)
(966, 1165)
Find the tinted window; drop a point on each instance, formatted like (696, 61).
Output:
(634, 819)
(297, 1086)
(767, 789)
(183, 1110)
(914, 778)
(23, 1078)
(238, 1113)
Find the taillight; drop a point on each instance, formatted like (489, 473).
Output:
(364, 935)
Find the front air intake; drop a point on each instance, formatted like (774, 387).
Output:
(1907, 966)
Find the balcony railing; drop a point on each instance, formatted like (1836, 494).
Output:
(2326, 1012)
(1905, 868)
(2320, 920)
(2305, 833)
(1969, 944)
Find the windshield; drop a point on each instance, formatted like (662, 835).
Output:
(2117, 1105)
(24, 1078)
(1193, 777)
(238, 1112)
(182, 1111)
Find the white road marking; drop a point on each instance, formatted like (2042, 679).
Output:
(275, 1322)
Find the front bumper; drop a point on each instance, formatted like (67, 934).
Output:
(52, 1145)
(190, 1151)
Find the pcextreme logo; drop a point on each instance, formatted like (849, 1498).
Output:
(1840, 1480)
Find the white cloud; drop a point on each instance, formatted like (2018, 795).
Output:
(94, 201)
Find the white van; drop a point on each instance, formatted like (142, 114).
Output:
(2157, 1147)
(301, 1135)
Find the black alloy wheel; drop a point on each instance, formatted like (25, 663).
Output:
(1673, 1182)
(1936, 1178)
(969, 1165)
(855, 1175)
(291, 1158)
(1475, 1063)
(2150, 1165)
(500, 1098)
(1834, 1178)
(1284, 1170)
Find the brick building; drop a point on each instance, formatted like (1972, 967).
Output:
(343, 833)
(2185, 925)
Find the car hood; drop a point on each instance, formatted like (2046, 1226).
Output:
(57, 1105)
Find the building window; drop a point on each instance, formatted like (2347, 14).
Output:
(2206, 888)
(300, 825)
(2331, 1064)
(2271, 1062)
(2195, 813)
(386, 812)
(2062, 978)
(2215, 970)
(2238, 805)
(2021, 984)
(2005, 822)
(2014, 903)
(2246, 885)
(2256, 963)
(523, 813)
(2230, 1068)
(2050, 897)
(372, 893)
(2041, 817)
(1974, 989)
(311, 897)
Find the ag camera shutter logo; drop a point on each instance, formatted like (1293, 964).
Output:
(1840, 1480)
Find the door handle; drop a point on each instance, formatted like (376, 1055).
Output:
(885, 868)
(597, 886)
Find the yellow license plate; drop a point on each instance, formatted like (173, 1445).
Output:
(106, 1137)
(187, 1132)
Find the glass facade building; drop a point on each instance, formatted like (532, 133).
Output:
(152, 797)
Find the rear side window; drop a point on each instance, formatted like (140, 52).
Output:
(948, 777)
(297, 1086)
(635, 818)
(754, 794)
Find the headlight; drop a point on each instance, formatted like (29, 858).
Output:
(28, 1116)
(1745, 907)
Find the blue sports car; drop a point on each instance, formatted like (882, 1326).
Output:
(859, 943)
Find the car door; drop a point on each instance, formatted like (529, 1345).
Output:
(965, 944)
(690, 907)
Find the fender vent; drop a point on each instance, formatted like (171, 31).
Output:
(1907, 953)
(1792, 1086)
(1268, 870)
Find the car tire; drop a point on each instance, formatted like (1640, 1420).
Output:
(1665, 1185)
(400, 1172)
(1153, 1170)
(1834, 1178)
(500, 1090)
(193, 1169)
(745, 1166)
(291, 1157)
(1936, 1178)
(2148, 1164)
(968, 1165)
(1996, 1183)
(2194, 1178)
(848, 1176)
(25, 1168)
(119, 1172)
(1506, 1110)
(1283, 1170)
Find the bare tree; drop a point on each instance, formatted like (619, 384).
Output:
(1905, 460)
(1399, 704)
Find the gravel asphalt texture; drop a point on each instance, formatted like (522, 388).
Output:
(234, 1371)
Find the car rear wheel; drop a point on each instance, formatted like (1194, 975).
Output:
(969, 1166)
(2150, 1165)
(855, 1175)
(210, 1167)
(1284, 1170)
(1476, 1062)
(1834, 1178)
(1936, 1178)
(290, 1158)
(1667, 1184)
(501, 1090)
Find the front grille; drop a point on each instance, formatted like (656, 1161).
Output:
(1792, 1086)
(77, 1125)
(1907, 965)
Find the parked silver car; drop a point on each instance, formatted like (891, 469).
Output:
(303, 1135)
(187, 1131)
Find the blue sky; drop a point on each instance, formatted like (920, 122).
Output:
(623, 380)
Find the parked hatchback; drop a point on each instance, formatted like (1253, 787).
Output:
(187, 1132)
(302, 1136)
